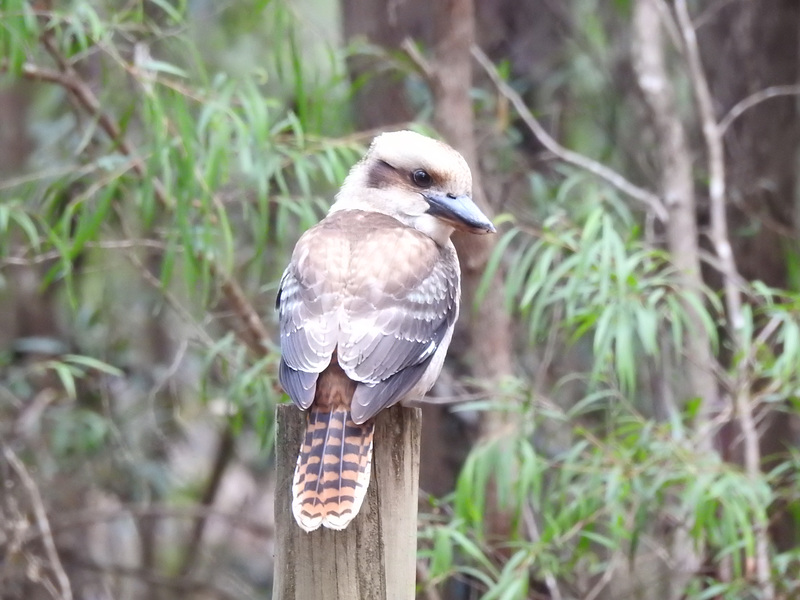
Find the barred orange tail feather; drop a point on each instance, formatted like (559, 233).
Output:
(333, 469)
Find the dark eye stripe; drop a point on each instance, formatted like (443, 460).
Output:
(381, 174)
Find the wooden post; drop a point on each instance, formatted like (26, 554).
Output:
(374, 558)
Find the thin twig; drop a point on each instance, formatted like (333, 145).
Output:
(712, 133)
(257, 337)
(713, 261)
(152, 402)
(89, 518)
(52, 172)
(533, 532)
(775, 91)
(447, 400)
(22, 261)
(424, 578)
(184, 585)
(223, 456)
(608, 575)
(202, 335)
(70, 80)
(716, 159)
(711, 10)
(81, 91)
(568, 156)
(651, 18)
(410, 48)
(41, 520)
(172, 301)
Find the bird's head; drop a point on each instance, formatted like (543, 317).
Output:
(420, 181)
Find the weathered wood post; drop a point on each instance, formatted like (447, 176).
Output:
(374, 558)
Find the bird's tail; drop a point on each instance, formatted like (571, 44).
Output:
(333, 469)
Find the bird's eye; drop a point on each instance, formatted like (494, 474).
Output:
(422, 178)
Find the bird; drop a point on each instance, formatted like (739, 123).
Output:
(367, 307)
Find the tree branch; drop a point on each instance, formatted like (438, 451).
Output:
(415, 56)
(651, 200)
(257, 335)
(71, 81)
(533, 533)
(712, 132)
(676, 181)
(42, 521)
(90, 517)
(184, 585)
(755, 99)
(677, 187)
(424, 579)
(222, 459)
(716, 167)
(80, 90)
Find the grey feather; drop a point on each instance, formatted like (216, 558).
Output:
(300, 385)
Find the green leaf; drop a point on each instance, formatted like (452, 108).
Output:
(493, 264)
(171, 11)
(93, 364)
(160, 66)
(442, 555)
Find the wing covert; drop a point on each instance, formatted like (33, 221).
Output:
(402, 314)
(308, 312)
(382, 295)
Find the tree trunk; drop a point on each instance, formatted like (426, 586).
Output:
(385, 23)
(374, 557)
(677, 189)
(488, 328)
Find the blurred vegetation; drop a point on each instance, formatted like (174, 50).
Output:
(159, 159)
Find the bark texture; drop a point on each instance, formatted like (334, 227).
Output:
(374, 558)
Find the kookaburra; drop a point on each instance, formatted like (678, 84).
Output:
(367, 307)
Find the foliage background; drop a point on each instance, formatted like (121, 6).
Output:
(618, 416)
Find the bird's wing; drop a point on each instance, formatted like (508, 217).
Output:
(309, 309)
(404, 303)
(386, 308)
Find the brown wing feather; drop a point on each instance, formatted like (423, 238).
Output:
(381, 294)
(394, 331)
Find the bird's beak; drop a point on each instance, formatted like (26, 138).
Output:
(460, 211)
